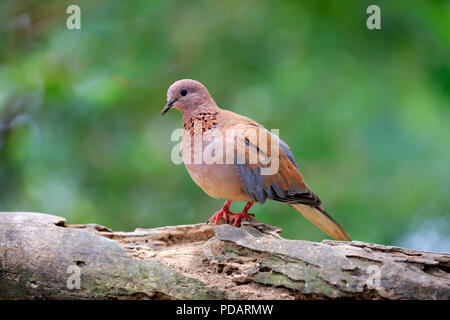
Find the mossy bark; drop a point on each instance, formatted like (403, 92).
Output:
(41, 256)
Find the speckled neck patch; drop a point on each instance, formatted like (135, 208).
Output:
(207, 119)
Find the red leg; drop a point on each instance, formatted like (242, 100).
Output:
(243, 215)
(225, 211)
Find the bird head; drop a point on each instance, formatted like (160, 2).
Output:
(187, 95)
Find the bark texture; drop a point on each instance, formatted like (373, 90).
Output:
(41, 256)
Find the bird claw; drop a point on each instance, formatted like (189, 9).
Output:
(240, 216)
(216, 216)
(225, 212)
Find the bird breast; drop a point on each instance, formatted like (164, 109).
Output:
(204, 156)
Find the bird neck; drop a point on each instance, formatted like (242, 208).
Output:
(205, 116)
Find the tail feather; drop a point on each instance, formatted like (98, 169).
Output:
(323, 220)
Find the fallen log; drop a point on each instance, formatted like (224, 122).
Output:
(43, 257)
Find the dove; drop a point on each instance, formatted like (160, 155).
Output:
(233, 157)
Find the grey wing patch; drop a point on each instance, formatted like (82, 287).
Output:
(253, 184)
(285, 149)
(293, 195)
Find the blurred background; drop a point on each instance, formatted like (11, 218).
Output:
(365, 112)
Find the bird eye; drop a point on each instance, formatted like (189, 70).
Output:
(183, 92)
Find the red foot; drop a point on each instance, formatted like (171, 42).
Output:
(243, 215)
(225, 211)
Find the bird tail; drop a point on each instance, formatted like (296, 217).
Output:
(323, 220)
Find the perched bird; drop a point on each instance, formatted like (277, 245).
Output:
(241, 176)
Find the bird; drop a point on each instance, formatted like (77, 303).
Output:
(237, 178)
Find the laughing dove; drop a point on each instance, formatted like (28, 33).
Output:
(233, 157)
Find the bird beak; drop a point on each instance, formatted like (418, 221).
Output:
(168, 106)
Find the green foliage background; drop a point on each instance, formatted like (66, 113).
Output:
(365, 112)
